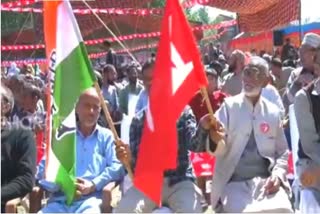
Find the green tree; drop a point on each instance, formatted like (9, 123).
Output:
(157, 3)
(212, 32)
(12, 22)
(191, 15)
(203, 15)
(199, 15)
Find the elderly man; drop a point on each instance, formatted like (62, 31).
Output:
(96, 161)
(250, 171)
(232, 81)
(302, 76)
(307, 111)
(18, 154)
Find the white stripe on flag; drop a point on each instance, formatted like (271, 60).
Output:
(68, 33)
(53, 166)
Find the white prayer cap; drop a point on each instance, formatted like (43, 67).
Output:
(312, 40)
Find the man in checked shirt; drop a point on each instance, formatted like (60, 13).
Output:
(180, 193)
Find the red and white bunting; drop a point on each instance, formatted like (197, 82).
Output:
(121, 38)
(19, 3)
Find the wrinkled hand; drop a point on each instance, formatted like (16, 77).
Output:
(85, 187)
(215, 128)
(123, 153)
(208, 123)
(272, 185)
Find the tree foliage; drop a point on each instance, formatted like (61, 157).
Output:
(157, 3)
(12, 22)
(203, 15)
(200, 15)
(213, 31)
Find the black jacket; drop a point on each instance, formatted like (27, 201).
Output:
(18, 163)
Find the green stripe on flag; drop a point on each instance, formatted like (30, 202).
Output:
(72, 76)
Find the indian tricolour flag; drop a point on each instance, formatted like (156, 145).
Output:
(71, 73)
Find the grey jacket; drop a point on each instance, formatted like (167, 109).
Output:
(239, 118)
(310, 139)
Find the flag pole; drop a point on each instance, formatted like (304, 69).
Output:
(111, 125)
(213, 121)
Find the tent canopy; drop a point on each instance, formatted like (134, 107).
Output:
(260, 15)
(253, 16)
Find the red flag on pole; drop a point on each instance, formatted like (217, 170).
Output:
(178, 75)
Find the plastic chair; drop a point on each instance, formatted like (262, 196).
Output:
(38, 194)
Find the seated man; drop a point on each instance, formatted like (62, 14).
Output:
(250, 171)
(96, 161)
(302, 76)
(307, 112)
(18, 154)
(180, 193)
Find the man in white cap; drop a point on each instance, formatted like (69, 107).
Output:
(307, 112)
(302, 76)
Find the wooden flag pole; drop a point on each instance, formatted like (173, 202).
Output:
(205, 96)
(218, 135)
(111, 125)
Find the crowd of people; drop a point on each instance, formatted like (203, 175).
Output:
(255, 99)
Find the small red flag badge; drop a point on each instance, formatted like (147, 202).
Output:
(264, 127)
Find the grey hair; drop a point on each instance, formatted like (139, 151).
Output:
(239, 55)
(6, 94)
(261, 65)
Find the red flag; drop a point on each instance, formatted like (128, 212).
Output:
(178, 75)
